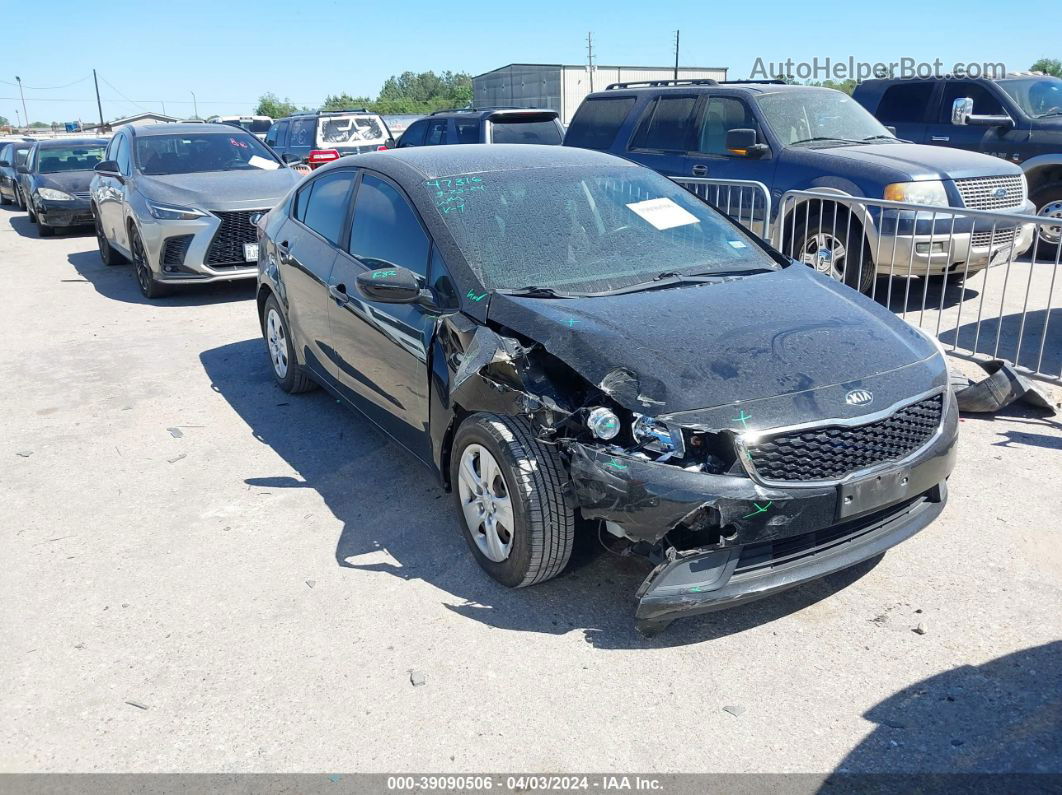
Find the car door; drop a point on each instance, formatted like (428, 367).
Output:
(382, 349)
(306, 251)
(941, 132)
(664, 136)
(905, 106)
(112, 193)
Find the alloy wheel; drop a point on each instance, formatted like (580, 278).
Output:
(486, 503)
(277, 341)
(143, 270)
(825, 253)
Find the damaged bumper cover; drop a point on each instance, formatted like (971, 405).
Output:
(768, 537)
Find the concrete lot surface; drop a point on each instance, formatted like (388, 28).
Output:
(201, 573)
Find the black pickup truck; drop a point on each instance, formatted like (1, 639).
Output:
(1017, 118)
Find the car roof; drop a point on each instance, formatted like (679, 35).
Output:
(418, 163)
(500, 110)
(57, 143)
(179, 129)
(751, 87)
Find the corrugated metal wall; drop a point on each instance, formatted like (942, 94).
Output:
(563, 88)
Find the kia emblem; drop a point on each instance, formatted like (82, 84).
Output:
(859, 397)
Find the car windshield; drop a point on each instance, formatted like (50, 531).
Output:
(193, 153)
(517, 131)
(339, 130)
(1037, 97)
(53, 159)
(587, 229)
(819, 118)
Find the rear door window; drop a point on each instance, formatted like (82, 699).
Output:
(436, 132)
(324, 207)
(904, 103)
(666, 125)
(597, 121)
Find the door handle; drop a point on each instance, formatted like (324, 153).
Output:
(339, 293)
(940, 138)
(284, 253)
(700, 170)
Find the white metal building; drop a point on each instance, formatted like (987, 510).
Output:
(562, 87)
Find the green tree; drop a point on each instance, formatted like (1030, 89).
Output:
(1049, 66)
(344, 101)
(4, 122)
(270, 105)
(37, 125)
(423, 92)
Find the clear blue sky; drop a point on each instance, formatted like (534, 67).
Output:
(231, 51)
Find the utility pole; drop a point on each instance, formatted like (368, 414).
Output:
(676, 53)
(590, 58)
(99, 105)
(195, 105)
(24, 111)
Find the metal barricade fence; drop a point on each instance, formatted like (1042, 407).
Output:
(746, 201)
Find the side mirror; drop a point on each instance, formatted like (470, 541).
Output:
(742, 142)
(4, 163)
(391, 284)
(108, 167)
(961, 110)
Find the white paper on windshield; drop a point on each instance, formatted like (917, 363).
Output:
(263, 162)
(663, 213)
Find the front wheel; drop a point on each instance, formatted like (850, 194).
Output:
(509, 488)
(1048, 201)
(836, 248)
(286, 369)
(145, 279)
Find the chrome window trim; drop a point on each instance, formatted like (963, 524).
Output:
(746, 440)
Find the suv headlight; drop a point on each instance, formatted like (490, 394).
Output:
(53, 195)
(172, 212)
(930, 192)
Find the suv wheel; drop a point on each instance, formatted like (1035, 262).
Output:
(107, 254)
(837, 250)
(1048, 201)
(145, 279)
(509, 488)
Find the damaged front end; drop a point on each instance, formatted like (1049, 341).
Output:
(682, 489)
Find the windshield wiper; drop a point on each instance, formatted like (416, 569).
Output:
(671, 279)
(881, 138)
(825, 138)
(534, 291)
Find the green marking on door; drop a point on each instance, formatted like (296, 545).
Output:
(471, 294)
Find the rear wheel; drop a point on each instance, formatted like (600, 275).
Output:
(107, 254)
(145, 279)
(836, 248)
(509, 488)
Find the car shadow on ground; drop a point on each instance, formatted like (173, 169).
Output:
(26, 228)
(999, 337)
(909, 294)
(1004, 716)
(398, 521)
(1031, 417)
(118, 282)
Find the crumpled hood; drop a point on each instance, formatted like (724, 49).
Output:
(694, 347)
(926, 162)
(69, 181)
(220, 190)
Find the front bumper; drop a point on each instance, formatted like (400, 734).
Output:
(758, 527)
(924, 247)
(178, 251)
(66, 213)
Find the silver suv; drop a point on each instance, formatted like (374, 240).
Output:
(179, 199)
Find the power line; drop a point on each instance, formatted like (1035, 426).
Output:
(48, 88)
(123, 96)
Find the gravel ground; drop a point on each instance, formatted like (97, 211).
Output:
(202, 573)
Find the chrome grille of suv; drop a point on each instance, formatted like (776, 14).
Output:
(1001, 236)
(236, 229)
(978, 193)
(832, 452)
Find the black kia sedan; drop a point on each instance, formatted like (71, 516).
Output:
(573, 343)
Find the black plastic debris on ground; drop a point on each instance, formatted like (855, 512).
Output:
(1003, 386)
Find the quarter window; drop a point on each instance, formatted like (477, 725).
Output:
(385, 230)
(322, 205)
(666, 125)
(303, 132)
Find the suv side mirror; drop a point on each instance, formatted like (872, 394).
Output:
(742, 142)
(108, 167)
(391, 284)
(962, 114)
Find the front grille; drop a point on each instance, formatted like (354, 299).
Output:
(832, 452)
(82, 195)
(174, 249)
(979, 193)
(998, 238)
(762, 555)
(236, 229)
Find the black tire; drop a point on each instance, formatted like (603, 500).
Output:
(109, 255)
(294, 379)
(32, 215)
(18, 198)
(4, 201)
(855, 268)
(43, 230)
(535, 480)
(150, 288)
(1048, 195)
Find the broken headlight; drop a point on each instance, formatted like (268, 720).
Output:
(656, 436)
(603, 423)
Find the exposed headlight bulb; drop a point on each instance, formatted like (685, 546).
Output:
(654, 435)
(603, 423)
